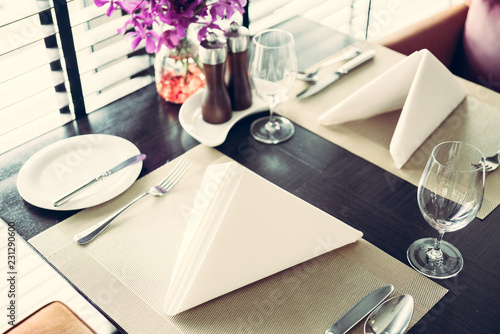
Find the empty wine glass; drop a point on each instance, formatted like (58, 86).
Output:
(450, 194)
(273, 69)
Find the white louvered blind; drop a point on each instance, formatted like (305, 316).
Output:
(36, 92)
(108, 67)
(347, 16)
(32, 81)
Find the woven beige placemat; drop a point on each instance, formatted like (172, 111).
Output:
(476, 121)
(126, 270)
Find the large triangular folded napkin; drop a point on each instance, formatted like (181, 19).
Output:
(244, 228)
(421, 85)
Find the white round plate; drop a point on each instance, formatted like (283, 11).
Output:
(67, 164)
(212, 134)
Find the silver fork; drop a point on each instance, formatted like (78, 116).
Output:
(159, 190)
(491, 163)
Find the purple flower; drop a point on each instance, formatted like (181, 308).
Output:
(170, 39)
(176, 15)
(113, 5)
(139, 34)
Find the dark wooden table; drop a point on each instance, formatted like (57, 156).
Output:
(359, 193)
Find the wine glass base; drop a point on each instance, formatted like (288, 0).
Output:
(272, 133)
(452, 259)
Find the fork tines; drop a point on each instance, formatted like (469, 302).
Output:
(175, 175)
(487, 167)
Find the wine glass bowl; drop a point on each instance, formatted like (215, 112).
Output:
(272, 72)
(449, 195)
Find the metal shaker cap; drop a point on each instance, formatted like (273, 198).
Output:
(237, 38)
(213, 51)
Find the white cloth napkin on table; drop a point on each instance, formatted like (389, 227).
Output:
(421, 85)
(244, 228)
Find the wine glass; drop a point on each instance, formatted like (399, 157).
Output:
(273, 69)
(450, 194)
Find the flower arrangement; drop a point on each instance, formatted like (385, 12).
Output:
(166, 23)
(178, 15)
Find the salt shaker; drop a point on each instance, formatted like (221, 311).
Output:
(215, 104)
(238, 84)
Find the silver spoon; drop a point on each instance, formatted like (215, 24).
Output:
(313, 76)
(391, 317)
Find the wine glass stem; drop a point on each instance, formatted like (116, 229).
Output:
(271, 112)
(272, 126)
(272, 108)
(438, 241)
(435, 255)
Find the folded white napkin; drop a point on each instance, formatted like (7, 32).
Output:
(244, 228)
(420, 84)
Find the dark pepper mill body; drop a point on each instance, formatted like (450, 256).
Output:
(215, 104)
(238, 84)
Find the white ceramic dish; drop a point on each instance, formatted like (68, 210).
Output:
(212, 134)
(66, 164)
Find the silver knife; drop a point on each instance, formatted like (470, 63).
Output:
(130, 161)
(360, 310)
(341, 71)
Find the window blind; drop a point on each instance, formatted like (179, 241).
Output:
(108, 67)
(32, 81)
(60, 60)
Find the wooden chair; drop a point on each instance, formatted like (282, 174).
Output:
(464, 37)
(53, 318)
(441, 34)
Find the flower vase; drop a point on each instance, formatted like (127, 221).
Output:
(178, 73)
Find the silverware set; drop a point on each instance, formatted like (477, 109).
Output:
(313, 75)
(390, 317)
(330, 78)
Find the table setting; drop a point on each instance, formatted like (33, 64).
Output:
(218, 248)
(371, 136)
(141, 276)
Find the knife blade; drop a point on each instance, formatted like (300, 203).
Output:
(340, 72)
(360, 310)
(130, 161)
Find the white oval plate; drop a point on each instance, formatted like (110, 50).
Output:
(212, 134)
(67, 164)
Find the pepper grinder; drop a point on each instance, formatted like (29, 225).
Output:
(238, 84)
(215, 103)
